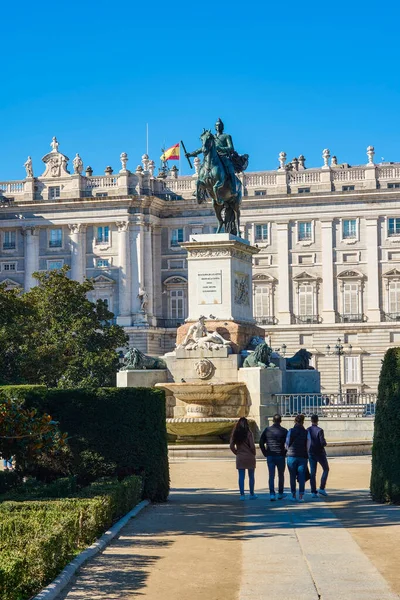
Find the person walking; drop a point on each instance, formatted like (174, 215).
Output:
(242, 445)
(272, 444)
(297, 441)
(317, 454)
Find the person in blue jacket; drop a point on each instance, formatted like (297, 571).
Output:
(317, 454)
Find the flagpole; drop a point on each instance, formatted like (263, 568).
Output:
(180, 165)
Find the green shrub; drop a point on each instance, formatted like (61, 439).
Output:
(38, 538)
(112, 431)
(385, 475)
(8, 481)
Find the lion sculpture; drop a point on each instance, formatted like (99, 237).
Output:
(260, 357)
(301, 360)
(134, 360)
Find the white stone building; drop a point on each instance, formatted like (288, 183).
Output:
(329, 264)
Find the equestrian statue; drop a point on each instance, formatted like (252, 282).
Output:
(217, 177)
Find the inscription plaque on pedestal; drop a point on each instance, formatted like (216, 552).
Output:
(210, 287)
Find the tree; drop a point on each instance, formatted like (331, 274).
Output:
(26, 434)
(385, 476)
(13, 317)
(68, 340)
(54, 335)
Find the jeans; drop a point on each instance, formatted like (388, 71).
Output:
(297, 467)
(242, 473)
(323, 461)
(279, 463)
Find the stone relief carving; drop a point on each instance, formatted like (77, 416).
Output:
(242, 289)
(198, 337)
(122, 225)
(56, 163)
(208, 253)
(204, 368)
(76, 227)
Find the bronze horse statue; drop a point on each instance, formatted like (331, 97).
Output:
(214, 182)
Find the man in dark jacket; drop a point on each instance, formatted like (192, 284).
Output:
(272, 444)
(317, 454)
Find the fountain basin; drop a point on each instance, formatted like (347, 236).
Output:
(205, 399)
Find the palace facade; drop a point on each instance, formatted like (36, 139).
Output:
(328, 266)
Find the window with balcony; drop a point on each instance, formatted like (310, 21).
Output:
(306, 300)
(177, 304)
(55, 238)
(394, 298)
(103, 235)
(263, 304)
(304, 231)
(351, 369)
(53, 265)
(9, 240)
(261, 234)
(393, 227)
(54, 192)
(176, 237)
(349, 229)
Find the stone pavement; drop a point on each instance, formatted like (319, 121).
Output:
(206, 545)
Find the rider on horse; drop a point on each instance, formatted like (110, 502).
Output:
(227, 154)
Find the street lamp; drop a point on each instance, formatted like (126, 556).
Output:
(339, 350)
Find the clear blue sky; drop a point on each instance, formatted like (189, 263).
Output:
(297, 76)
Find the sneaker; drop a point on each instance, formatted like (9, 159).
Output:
(323, 492)
(253, 496)
(314, 495)
(272, 497)
(293, 499)
(243, 497)
(281, 496)
(301, 498)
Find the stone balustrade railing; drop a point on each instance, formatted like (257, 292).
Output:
(263, 183)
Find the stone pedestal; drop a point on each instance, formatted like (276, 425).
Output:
(145, 378)
(302, 382)
(220, 277)
(261, 384)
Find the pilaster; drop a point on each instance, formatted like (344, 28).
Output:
(373, 308)
(328, 307)
(31, 255)
(124, 279)
(78, 251)
(284, 315)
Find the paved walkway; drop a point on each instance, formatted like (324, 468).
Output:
(206, 545)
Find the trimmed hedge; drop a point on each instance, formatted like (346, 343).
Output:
(39, 538)
(112, 431)
(385, 475)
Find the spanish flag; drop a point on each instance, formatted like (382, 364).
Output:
(172, 153)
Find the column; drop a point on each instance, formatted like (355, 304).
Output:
(78, 251)
(124, 280)
(31, 256)
(136, 268)
(148, 272)
(373, 311)
(284, 315)
(328, 287)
